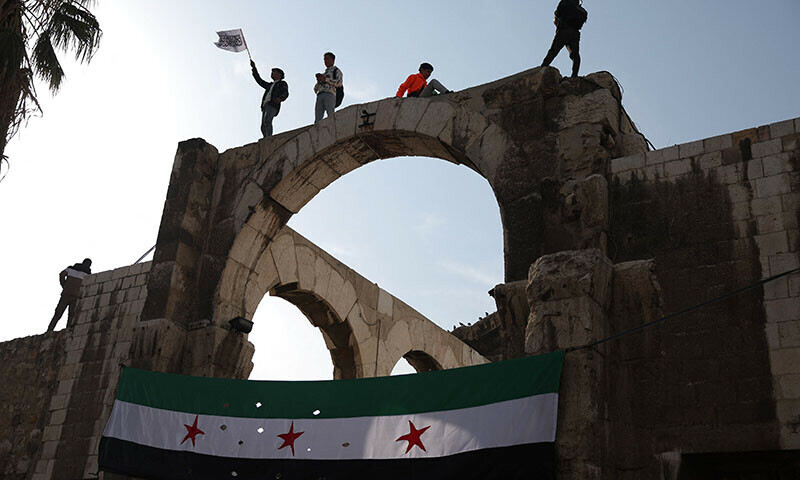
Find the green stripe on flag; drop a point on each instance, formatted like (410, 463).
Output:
(406, 394)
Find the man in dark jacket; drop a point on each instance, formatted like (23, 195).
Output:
(275, 92)
(71, 279)
(569, 19)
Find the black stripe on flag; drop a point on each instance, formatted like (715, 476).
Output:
(528, 462)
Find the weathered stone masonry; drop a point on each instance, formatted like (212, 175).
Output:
(53, 424)
(599, 236)
(707, 217)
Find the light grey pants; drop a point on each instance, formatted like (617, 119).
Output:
(433, 85)
(326, 102)
(267, 115)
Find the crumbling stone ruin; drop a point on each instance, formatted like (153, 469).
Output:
(600, 236)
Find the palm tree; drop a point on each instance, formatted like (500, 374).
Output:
(31, 31)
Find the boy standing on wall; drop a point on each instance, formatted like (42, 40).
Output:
(569, 19)
(326, 88)
(275, 92)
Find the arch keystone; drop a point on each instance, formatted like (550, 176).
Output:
(306, 260)
(322, 274)
(346, 122)
(323, 134)
(435, 118)
(411, 112)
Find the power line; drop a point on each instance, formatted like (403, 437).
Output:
(684, 311)
(145, 254)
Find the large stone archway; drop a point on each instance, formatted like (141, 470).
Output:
(533, 136)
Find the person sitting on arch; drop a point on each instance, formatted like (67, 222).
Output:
(417, 84)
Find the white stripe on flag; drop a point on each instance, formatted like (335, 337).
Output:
(71, 272)
(514, 422)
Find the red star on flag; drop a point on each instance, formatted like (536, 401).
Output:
(413, 437)
(289, 438)
(192, 431)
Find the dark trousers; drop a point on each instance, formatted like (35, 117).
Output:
(267, 114)
(64, 302)
(570, 38)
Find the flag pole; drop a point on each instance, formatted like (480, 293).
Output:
(246, 47)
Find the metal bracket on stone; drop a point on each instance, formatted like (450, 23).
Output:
(794, 424)
(367, 120)
(199, 324)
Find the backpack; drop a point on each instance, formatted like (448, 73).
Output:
(581, 15)
(572, 14)
(339, 90)
(339, 95)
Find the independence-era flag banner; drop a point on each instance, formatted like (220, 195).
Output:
(493, 421)
(231, 40)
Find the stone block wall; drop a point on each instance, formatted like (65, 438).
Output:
(716, 215)
(29, 377)
(87, 371)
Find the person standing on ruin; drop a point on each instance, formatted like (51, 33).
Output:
(71, 279)
(275, 92)
(328, 88)
(569, 19)
(417, 84)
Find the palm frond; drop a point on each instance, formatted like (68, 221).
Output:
(48, 26)
(45, 62)
(12, 53)
(4, 159)
(74, 27)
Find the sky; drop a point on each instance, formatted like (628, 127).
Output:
(88, 178)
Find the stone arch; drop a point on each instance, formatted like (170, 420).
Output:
(534, 136)
(366, 329)
(421, 361)
(289, 172)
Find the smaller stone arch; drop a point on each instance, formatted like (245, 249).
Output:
(421, 361)
(366, 329)
(422, 343)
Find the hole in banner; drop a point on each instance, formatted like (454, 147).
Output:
(308, 449)
(234, 474)
(316, 412)
(258, 404)
(260, 430)
(346, 444)
(223, 427)
(241, 442)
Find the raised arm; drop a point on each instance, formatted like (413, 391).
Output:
(257, 77)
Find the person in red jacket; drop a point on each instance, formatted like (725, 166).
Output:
(417, 85)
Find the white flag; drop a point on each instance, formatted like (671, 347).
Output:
(231, 40)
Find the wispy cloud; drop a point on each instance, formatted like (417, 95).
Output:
(468, 272)
(427, 224)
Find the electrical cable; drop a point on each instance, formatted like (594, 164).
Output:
(682, 312)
